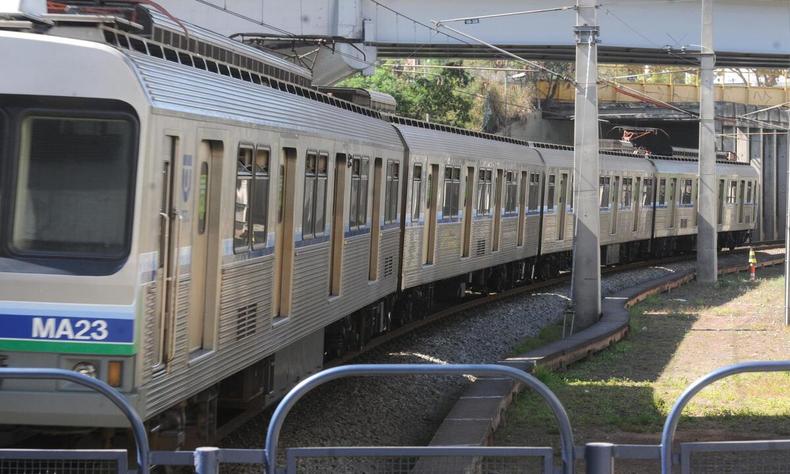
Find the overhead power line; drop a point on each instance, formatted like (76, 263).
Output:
(508, 53)
(476, 19)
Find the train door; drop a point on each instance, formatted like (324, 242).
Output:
(497, 210)
(336, 271)
(741, 188)
(284, 235)
(522, 207)
(167, 265)
(375, 223)
(720, 213)
(469, 190)
(205, 231)
(673, 185)
(430, 231)
(561, 206)
(615, 204)
(637, 203)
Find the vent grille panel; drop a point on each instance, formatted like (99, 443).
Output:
(247, 321)
(480, 248)
(388, 266)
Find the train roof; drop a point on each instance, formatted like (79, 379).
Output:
(691, 167)
(180, 88)
(561, 157)
(438, 142)
(724, 168)
(187, 36)
(623, 162)
(675, 166)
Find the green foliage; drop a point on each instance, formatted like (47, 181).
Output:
(549, 334)
(442, 96)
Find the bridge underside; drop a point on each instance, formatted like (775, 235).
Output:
(606, 54)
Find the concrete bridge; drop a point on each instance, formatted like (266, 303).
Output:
(349, 35)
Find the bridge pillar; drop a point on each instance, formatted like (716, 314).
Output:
(787, 230)
(707, 265)
(586, 251)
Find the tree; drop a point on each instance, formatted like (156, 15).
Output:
(442, 97)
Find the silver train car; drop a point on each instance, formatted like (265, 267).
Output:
(187, 220)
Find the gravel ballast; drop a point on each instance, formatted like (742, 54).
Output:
(406, 410)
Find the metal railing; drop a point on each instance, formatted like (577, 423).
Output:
(116, 397)
(421, 460)
(737, 456)
(671, 423)
(285, 406)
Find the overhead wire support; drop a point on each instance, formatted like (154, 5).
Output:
(506, 52)
(476, 19)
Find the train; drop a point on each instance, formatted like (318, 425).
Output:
(188, 220)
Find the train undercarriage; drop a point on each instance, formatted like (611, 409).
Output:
(211, 414)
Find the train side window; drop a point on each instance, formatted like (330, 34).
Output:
(320, 192)
(686, 192)
(628, 190)
(721, 201)
(358, 214)
(391, 192)
(315, 177)
(241, 219)
(202, 198)
(604, 184)
(662, 192)
(522, 203)
(511, 193)
(550, 192)
(452, 187)
(252, 198)
(416, 193)
(534, 192)
(732, 192)
(260, 197)
(483, 192)
(570, 193)
(748, 192)
(647, 192)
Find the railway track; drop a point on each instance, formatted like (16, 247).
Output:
(478, 301)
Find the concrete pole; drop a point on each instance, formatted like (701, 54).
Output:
(586, 254)
(707, 265)
(787, 237)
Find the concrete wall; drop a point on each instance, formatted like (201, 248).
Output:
(769, 185)
(781, 184)
(756, 159)
(539, 129)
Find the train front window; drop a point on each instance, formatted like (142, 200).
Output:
(73, 187)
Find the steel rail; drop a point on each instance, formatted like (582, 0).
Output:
(519, 290)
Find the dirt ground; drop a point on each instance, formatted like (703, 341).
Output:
(623, 394)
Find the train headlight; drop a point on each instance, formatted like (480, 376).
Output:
(85, 368)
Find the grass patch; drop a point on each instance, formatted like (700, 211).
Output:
(548, 334)
(624, 393)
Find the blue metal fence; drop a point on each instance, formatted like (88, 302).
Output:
(739, 456)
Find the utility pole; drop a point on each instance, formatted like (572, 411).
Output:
(707, 264)
(586, 253)
(787, 238)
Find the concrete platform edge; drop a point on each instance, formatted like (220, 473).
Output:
(464, 425)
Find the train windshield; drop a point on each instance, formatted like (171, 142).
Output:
(70, 182)
(72, 186)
